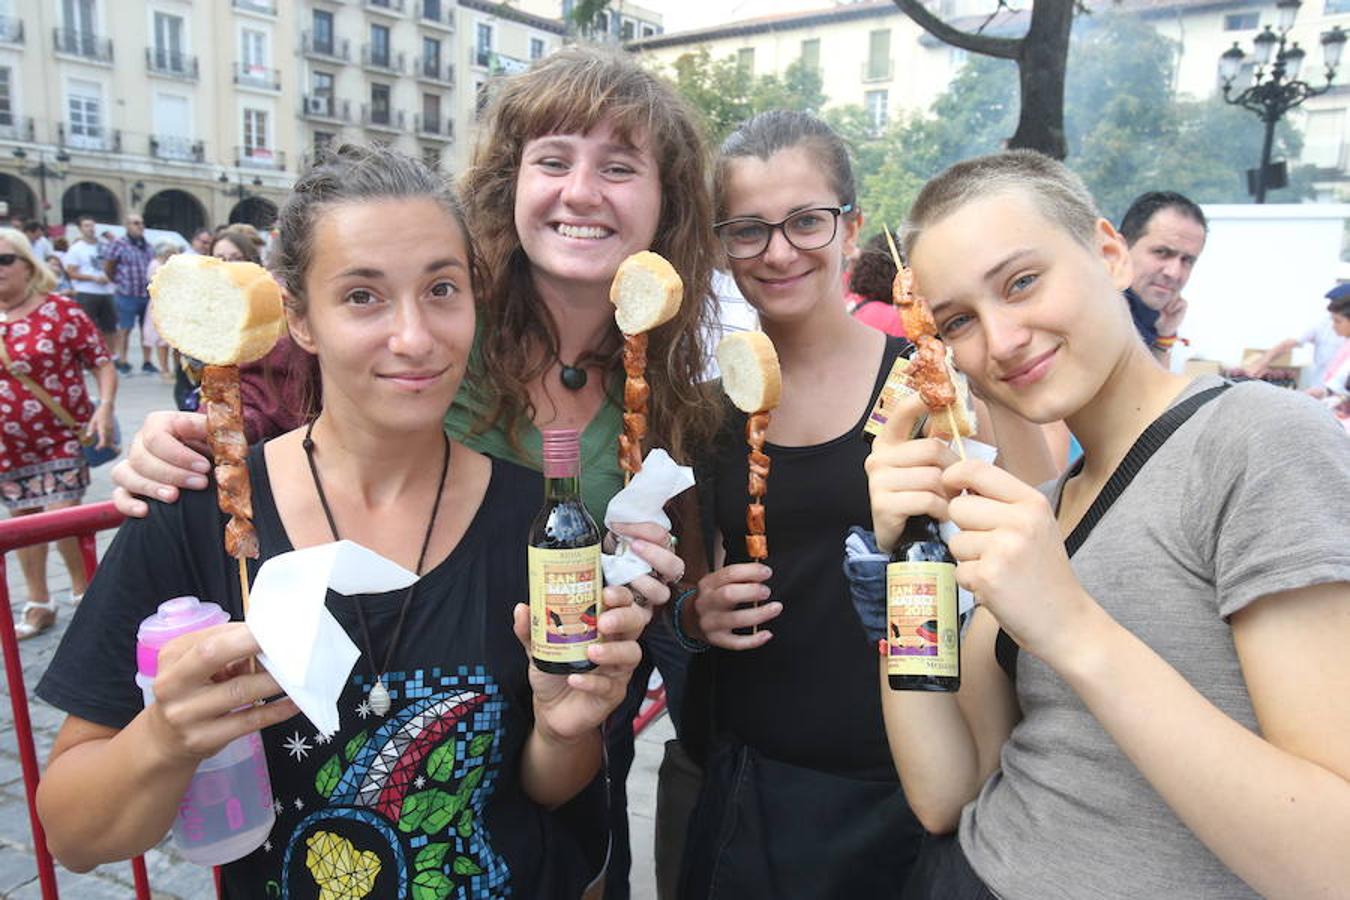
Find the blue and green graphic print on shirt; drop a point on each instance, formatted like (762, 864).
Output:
(397, 802)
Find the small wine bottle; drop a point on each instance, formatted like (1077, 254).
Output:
(564, 563)
(922, 630)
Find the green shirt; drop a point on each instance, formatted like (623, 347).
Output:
(601, 477)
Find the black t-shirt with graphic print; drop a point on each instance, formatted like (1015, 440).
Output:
(423, 802)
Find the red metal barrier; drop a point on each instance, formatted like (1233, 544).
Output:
(26, 531)
(656, 705)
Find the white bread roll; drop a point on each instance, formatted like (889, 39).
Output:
(963, 410)
(750, 374)
(222, 313)
(646, 292)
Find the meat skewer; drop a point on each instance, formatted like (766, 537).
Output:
(646, 293)
(929, 370)
(752, 380)
(223, 314)
(756, 541)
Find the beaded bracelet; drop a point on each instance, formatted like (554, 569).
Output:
(693, 645)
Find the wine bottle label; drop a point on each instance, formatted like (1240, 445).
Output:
(921, 620)
(565, 590)
(898, 386)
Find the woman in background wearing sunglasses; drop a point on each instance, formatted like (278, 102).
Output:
(48, 342)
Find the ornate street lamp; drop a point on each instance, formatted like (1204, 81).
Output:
(1277, 89)
(41, 171)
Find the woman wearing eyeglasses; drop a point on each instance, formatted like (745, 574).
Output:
(800, 797)
(48, 342)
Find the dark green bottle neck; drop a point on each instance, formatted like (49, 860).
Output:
(568, 488)
(920, 529)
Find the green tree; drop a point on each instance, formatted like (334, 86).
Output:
(727, 94)
(1126, 131)
(1041, 55)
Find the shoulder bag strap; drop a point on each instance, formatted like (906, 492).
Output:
(1148, 443)
(36, 390)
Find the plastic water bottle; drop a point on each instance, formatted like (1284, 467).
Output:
(227, 811)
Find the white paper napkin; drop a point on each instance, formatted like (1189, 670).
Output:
(984, 453)
(643, 500)
(303, 646)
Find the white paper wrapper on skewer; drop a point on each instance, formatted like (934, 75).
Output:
(643, 500)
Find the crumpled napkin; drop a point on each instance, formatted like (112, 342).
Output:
(643, 500)
(985, 453)
(303, 646)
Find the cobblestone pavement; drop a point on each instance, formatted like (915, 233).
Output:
(171, 876)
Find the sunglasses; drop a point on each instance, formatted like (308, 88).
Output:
(8, 259)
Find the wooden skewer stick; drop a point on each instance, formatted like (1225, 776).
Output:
(243, 595)
(956, 434)
(951, 415)
(895, 254)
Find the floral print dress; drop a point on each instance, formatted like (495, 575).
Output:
(40, 458)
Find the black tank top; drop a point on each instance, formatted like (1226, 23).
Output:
(810, 696)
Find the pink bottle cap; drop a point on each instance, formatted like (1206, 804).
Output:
(179, 616)
(562, 452)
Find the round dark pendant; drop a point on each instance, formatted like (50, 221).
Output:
(572, 377)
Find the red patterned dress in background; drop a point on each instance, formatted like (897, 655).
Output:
(40, 458)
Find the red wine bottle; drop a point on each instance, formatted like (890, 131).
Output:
(564, 563)
(923, 633)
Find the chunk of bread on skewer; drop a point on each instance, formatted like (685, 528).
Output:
(962, 411)
(223, 314)
(750, 373)
(646, 292)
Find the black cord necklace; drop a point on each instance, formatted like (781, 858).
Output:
(378, 695)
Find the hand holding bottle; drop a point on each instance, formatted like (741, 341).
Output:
(904, 476)
(204, 694)
(569, 706)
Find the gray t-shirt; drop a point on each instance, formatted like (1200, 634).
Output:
(1247, 498)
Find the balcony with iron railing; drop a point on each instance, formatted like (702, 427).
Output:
(385, 7)
(260, 7)
(262, 77)
(878, 70)
(436, 14)
(435, 71)
(84, 44)
(324, 108)
(178, 149)
(11, 30)
(386, 61)
(382, 119)
(259, 158)
(438, 127)
(332, 49)
(170, 63)
(89, 137)
(16, 128)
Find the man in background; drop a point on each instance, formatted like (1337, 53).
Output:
(93, 288)
(128, 263)
(36, 233)
(201, 242)
(1166, 233)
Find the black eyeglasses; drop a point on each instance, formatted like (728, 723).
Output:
(808, 229)
(8, 259)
